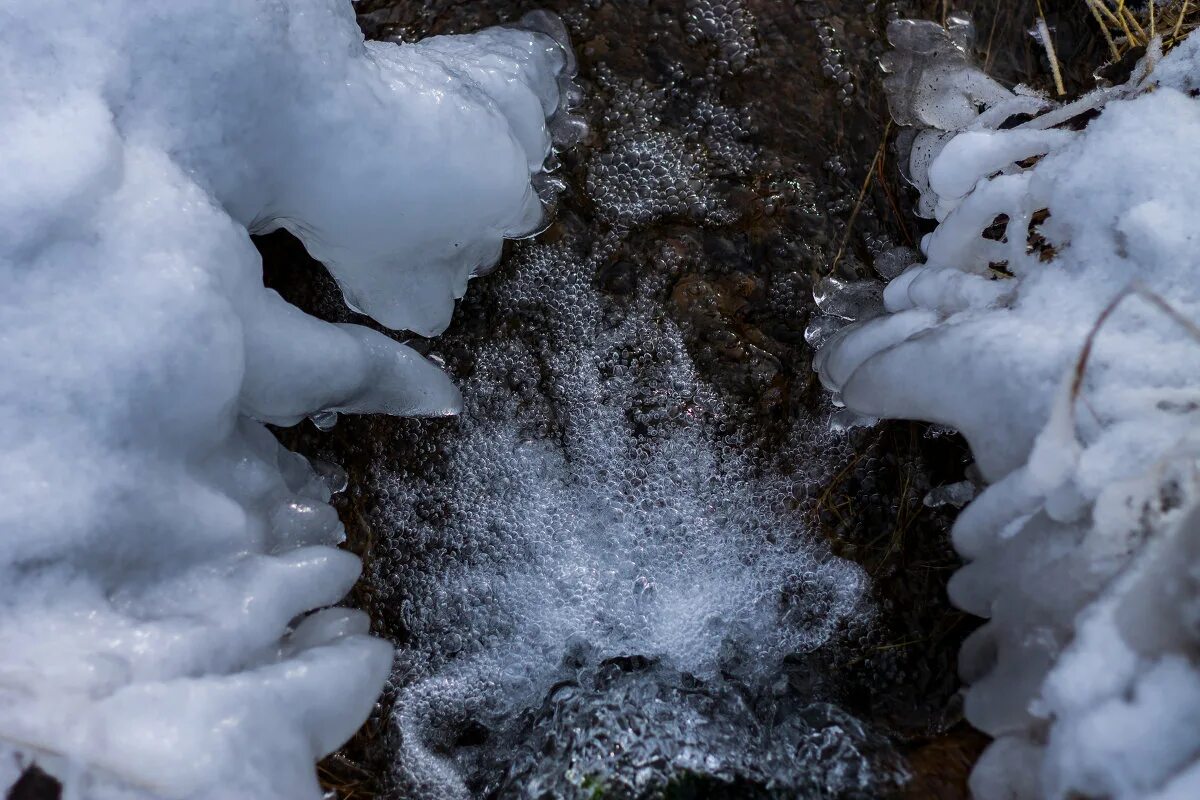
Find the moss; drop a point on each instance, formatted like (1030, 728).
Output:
(594, 787)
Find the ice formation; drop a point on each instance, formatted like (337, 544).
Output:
(159, 551)
(1052, 323)
(618, 569)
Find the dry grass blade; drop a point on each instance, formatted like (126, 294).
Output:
(862, 195)
(1051, 55)
(346, 779)
(1125, 29)
(1112, 46)
(1135, 288)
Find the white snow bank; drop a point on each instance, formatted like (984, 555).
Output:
(1085, 550)
(157, 547)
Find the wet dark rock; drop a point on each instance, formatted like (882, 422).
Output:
(34, 784)
(618, 278)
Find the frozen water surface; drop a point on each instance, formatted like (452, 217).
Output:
(600, 581)
(619, 570)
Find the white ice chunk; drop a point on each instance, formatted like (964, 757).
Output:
(1085, 550)
(157, 546)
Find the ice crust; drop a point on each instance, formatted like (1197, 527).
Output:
(1084, 551)
(159, 548)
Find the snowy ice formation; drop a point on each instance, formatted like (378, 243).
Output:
(158, 549)
(1052, 322)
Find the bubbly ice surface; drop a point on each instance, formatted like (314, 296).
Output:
(597, 559)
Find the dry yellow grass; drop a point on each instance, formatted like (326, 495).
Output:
(1125, 29)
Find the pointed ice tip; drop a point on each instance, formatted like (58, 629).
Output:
(445, 401)
(431, 394)
(399, 381)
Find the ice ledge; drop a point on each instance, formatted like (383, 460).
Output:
(160, 554)
(1052, 322)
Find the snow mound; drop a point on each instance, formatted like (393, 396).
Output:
(158, 549)
(1051, 323)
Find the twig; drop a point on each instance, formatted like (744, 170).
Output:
(1055, 70)
(861, 196)
(1112, 46)
(1134, 288)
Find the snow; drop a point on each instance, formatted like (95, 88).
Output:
(1084, 550)
(158, 548)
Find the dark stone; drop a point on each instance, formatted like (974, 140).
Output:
(34, 784)
(619, 278)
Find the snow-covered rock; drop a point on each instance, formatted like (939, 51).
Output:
(158, 549)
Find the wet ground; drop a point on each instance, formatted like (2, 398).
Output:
(738, 152)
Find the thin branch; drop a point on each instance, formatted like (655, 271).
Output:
(861, 196)
(1151, 297)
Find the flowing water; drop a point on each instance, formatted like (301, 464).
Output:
(649, 559)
